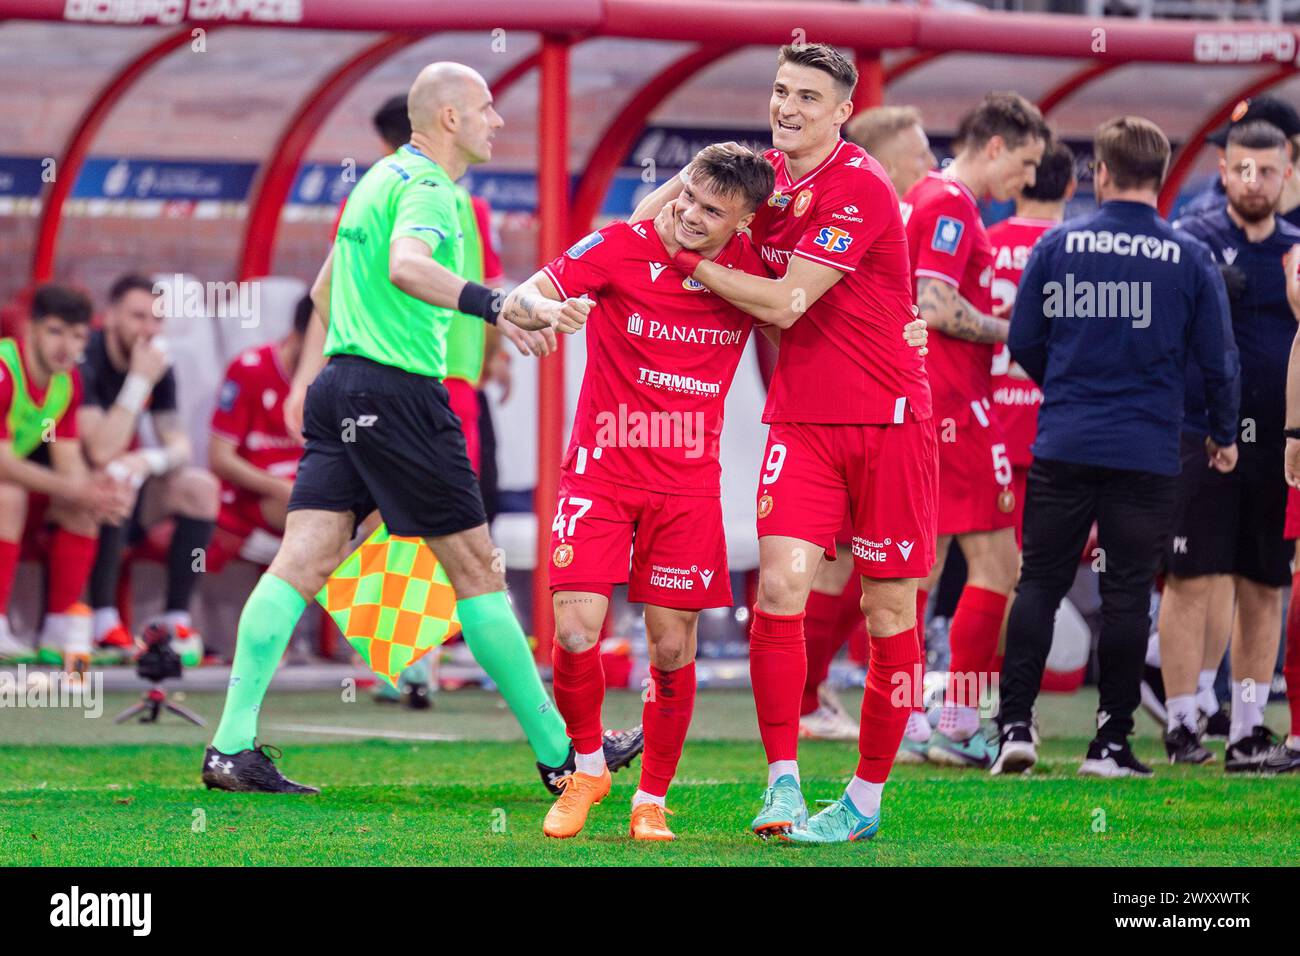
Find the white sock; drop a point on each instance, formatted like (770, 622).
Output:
(1153, 650)
(1206, 699)
(918, 727)
(780, 768)
(106, 618)
(179, 619)
(1246, 714)
(641, 797)
(959, 723)
(1181, 710)
(592, 764)
(864, 796)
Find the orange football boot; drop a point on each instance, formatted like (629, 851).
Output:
(649, 823)
(568, 814)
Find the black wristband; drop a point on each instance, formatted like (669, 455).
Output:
(1291, 432)
(478, 299)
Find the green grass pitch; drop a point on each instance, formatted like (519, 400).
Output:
(76, 791)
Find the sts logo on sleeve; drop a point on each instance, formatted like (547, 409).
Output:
(833, 240)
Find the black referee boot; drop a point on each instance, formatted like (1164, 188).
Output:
(249, 771)
(1108, 758)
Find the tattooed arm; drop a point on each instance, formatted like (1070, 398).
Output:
(537, 304)
(944, 309)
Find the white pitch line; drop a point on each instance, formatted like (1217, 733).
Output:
(361, 732)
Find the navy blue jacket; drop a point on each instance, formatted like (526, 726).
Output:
(1111, 309)
(1262, 323)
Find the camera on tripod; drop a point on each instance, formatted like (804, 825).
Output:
(158, 662)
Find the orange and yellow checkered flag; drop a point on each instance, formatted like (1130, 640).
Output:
(393, 602)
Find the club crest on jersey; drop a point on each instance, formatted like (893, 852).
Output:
(778, 200)
(802, 202)
(947, 235)
(576, 250)
(833, 240)
(765, 506)
(562, 557)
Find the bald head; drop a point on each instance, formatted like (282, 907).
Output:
(452, 115)
(441, 85)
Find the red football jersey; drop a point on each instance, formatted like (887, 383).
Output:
(844, 361)
(661, 354)
(250, 411)
(1015, 396)
(949, 242)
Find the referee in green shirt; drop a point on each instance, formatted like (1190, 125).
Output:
(380, 432)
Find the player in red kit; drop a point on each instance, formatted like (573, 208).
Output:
(1002, 142)
(251, 450)
(642, 470)
(849, 410)
(1016, 398)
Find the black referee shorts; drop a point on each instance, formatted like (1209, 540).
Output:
(1230, 524)
(379, 437)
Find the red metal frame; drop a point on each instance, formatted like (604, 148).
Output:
(1072, 84)
(552, 204)
(78, 147)
(1185, 159)
(271, 190)
(622, 131)
(866, 29)
(513, 74)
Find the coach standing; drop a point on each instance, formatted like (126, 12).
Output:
(1111, 309)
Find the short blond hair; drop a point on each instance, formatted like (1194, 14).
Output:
(877, 126)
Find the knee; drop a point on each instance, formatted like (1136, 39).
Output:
(671, 650)
(197, 494)
(574, 636)
(780, 593)
(886, 616)
(78, 521)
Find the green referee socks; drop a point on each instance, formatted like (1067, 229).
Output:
(497, 642)
(265, 626)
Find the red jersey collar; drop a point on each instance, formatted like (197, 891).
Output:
(784, 174)
(953, 180)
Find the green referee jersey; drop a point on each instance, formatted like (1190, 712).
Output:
(405, 194)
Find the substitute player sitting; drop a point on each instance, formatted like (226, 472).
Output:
(642, 470)
(251, 450)
(43, 477)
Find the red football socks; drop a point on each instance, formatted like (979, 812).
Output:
(823, 640)
(579, 693)
(72, 555)
(778, 666)
(665, 718)
(895, 667)
(974, 643)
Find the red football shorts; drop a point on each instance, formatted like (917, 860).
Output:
(241, 513)
(463, 399)
(884, 476)
(976, 484)
(677, 544)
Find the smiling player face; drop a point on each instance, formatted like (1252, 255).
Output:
(806, 110)
(706, 217)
